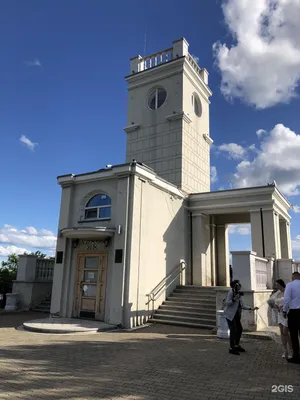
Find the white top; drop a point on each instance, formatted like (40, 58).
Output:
(292, 296)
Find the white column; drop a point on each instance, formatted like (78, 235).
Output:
(243, 266)
(201, 250)
(277, 235)
(285, 239)
(284, 270)
(270, 273)
(117, 278)
(58, 274)
(223, 272)
(213, 252)
(271, 234)
(180, 48)
(256, 232)
(136, 65)
(26, 268)
(265, 233)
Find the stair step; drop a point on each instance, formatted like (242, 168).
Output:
(176, 302)
(200, 295)
(197, 288)
(184, 319)
(186, 307)
(180, 323)
(210, 292)
(170, 307)
(203, 301)
(186, 314)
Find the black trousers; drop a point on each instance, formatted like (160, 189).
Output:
(236, 330)
(294, 328)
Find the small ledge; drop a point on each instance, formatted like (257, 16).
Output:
(207, 138)
(175, 117)
(131, 128)
(93, 220)
(88, 233)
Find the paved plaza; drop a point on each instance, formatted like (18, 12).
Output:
(158, 362)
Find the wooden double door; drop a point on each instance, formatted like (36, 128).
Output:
(91, 285)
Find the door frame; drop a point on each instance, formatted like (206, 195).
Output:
(99, 309)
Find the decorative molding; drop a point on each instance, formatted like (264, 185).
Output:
(208, 139)
(232, 193)
(178, 116)
(227, 206)
(197, 81)
(93, 244)
(131, 128)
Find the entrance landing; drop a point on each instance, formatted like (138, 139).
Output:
(66, 325)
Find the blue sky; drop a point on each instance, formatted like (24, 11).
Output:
(63, 93)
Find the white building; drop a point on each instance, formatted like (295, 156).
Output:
(128, 234)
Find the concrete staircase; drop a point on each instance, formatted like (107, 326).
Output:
(191, 306)
(44, 306)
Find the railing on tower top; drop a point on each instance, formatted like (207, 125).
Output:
(163, 285)
(158, 58)
(44, 269)
(194, 64)
(163, 57)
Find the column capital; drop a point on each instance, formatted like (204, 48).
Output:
(198, 215)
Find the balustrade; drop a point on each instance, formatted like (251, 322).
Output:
(44, 269)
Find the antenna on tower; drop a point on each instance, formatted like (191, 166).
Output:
(145, 42)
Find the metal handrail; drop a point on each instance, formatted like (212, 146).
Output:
(164, 284)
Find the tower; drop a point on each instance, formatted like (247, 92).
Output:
(168, 117)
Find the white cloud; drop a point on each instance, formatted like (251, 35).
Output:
(296, 209)
(29, 237)
(33, 63)
(6, 251)
(213, 174)
(234, 151)
(239, 229)
(277, 159)
(262, 67)
(28, 143)
(260, 132)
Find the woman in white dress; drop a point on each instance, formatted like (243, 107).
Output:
(276, 303)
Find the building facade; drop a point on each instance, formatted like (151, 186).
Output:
(124, 229)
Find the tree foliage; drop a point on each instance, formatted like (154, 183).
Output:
(8, 269)
(8, 272)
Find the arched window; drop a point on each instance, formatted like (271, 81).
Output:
(98, 207)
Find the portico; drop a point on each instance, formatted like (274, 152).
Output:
(265, 208)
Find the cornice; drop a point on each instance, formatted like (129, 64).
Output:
(162, 71)
(131, 128)
(208, 139)
(179, 116)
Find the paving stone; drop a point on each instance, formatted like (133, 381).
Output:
(158, 362)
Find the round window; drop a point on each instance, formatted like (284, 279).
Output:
(157, 98)
(197, 105)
